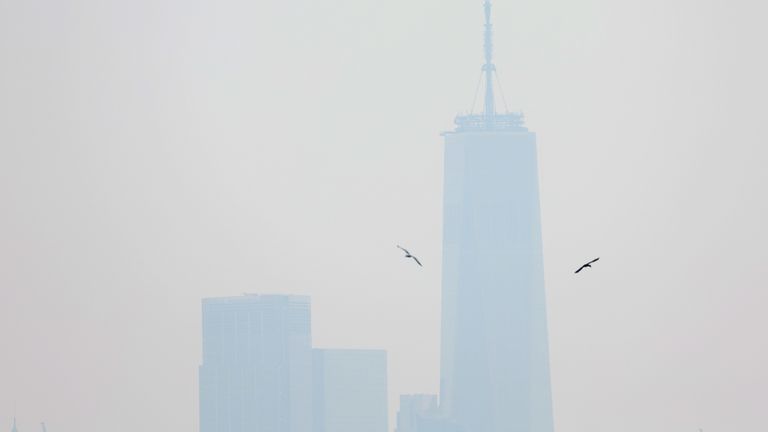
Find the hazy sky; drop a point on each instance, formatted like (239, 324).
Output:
(154, 152)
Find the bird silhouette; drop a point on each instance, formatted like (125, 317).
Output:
(589, 264)
(408, 255)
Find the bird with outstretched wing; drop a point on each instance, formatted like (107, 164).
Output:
(408, 255)
(589, 264)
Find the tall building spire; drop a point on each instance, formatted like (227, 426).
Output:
(489, 119)
(489, 67)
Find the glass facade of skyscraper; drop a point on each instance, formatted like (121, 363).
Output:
(257, 364)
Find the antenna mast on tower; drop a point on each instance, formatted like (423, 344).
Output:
(489, 119)
(489, 68)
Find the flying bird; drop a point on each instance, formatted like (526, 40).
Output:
(589, 264)
(408, 255)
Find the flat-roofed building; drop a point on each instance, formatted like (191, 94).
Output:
(256, 373)
(350, 390)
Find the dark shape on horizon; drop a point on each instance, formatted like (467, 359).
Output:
(408, 255)
(587, 265)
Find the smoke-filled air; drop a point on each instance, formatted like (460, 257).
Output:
(383, 216)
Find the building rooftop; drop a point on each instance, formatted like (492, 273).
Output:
(495, 122)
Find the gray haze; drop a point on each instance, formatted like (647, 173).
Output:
(156, 152)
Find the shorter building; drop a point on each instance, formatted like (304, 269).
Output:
(420, 413)
(350, 390)
(414, 410)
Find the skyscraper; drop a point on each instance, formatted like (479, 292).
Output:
(257, 364)
(350, 390)
(494, 351)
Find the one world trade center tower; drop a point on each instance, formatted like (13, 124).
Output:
(494, 350)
